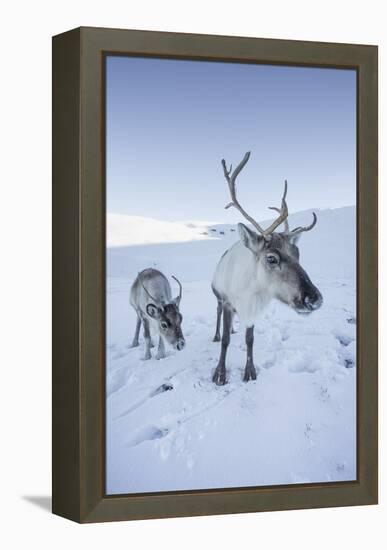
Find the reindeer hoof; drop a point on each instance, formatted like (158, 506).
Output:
(216, 338)
(250, 374)
(134, 345)
(219, 377)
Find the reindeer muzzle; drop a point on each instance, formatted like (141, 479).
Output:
(313, 300)
(180, 344)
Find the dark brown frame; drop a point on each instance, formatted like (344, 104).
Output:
(79, 275)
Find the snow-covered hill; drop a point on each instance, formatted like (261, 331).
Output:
(122, 230)
(170, 428)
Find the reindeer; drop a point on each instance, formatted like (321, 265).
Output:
(262, 265)
(151, 297)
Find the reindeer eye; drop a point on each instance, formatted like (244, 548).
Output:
(272, 259)
(164, 325)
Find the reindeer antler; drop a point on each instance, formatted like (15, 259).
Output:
(231, 177)
(297, 230)
(301, 229)
(180, 288)
(286, 223)
(149, 294)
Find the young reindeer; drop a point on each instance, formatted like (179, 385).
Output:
(261, 266)
(151, 297)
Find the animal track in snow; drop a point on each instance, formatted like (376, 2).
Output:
(116, 382)
(161, 389)
(149, 433)
(268, 364)
(343, 339)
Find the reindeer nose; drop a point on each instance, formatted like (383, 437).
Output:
(313, 299)
(180, 344)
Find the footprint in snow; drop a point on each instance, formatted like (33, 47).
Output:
(117, 381)
(268, 364)
(161, 389)
(149, 433)
(343, 339)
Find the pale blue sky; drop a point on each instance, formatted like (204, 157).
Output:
(170, 122)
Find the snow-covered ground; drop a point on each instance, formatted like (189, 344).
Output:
(170, 428)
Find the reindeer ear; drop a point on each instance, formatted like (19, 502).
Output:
(294, 240)
(250, 239)
(153, 311)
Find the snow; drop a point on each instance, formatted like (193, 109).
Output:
(170, 428)
(130, 230)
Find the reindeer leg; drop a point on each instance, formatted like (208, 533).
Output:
(161, 350)
(218, 320)
(147, 340)
(136, 333)
(219, 376)
(233, 331)
(250, 372)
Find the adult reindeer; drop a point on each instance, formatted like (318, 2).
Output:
(263, 265)
(151, 297)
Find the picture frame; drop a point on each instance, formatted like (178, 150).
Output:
(79, 205)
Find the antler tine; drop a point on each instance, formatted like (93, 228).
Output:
(231, 177)
(286, 223)
(298, 230)
(231, 185)
(180, 288)
(283, 213)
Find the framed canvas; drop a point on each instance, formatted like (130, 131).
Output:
(211, 356)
